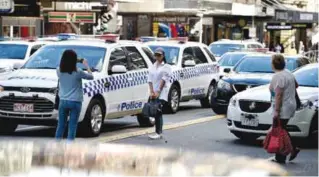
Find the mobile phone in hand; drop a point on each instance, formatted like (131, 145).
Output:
(80, 60)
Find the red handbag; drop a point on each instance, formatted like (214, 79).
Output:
(278, 141)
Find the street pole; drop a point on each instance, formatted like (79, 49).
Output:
(200, 27)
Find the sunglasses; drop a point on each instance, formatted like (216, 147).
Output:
(157, 55)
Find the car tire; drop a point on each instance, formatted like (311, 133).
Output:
(313, 130)
(206, 102)
(145, 121)
(93, 121)
(7, 127)
(215, 107)
(246, 136)
(172, 105)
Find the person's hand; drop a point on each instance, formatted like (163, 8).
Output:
(152, 94)
(276, 118)
(85, 63)
(156, 94)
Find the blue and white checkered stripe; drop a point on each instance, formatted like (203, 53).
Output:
(116, 82)
(138, 78)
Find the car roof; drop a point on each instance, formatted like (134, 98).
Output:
(240, 53)
(24, 42)
(174, 43)
(311, 66)
(226, 41)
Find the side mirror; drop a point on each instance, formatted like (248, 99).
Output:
(189, 63)
(119, 69)
(227, 70)
(17, 65)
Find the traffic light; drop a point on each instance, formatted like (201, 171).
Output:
(106, 16)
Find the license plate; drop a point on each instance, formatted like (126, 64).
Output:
(20, 107)
(249, 120)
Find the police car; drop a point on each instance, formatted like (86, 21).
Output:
(221, 47)
(13, 54)
(119, 87)
(250, 112)
(195, 71)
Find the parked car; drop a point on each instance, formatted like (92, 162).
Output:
(119, 87)
(251, 71)
(221, 47)
(13, 54)
(250, 113)
(195, 72)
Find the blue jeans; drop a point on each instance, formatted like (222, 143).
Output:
(66, 109)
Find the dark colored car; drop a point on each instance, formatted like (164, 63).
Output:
(251, 71)
(228, 61)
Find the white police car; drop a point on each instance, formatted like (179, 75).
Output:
(221, 47)
(13, 54)
(249, 112)
(119, 87)
(195, 71)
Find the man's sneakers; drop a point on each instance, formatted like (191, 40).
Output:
(155, 136)
(294, 154)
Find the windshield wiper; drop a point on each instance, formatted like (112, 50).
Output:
(40, 68)
(260, 72)
(92, 69)
(307, 86)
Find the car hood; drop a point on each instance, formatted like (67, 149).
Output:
(43, 78)
(8, 63)
(248, 78)
(262, 93)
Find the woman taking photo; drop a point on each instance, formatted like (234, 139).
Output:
(158, 78)
(70, 92)
(283, 97)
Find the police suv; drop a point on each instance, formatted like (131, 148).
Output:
(195, 71)
(119, 87)
(13, 54)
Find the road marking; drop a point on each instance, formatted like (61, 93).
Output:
(151, 130)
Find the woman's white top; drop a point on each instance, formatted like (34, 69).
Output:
(157, 73)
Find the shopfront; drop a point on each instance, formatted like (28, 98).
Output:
(25, 21)
(290, 28)
(171, 26)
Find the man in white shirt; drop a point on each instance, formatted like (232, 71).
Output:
(158, 79)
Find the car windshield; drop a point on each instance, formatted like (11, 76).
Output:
(230, 59)
(260, 64)
(307, 77)
(49, 57)
(220, 49)
(171, 53)
(13, 51)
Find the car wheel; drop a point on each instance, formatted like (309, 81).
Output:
(7, 127)
(246, 136)
(145, 121)
(313, 130)
(94, 119)
(218, 109)
(205, 102)
(172, 105)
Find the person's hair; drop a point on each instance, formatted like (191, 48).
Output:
(164, 58)
(68, 62)
(278, 61)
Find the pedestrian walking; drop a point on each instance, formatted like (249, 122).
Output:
(70, 92)
(283, 97)
(158, 79)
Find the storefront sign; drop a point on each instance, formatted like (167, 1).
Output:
(76, 17)
(6, 6)
(306, 16)
(170, 19)
(287, 26)
(252, 32)
(207, 21)
(282, 15)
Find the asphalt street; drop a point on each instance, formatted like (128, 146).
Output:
(210, 135)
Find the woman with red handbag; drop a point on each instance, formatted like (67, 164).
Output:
(283, 97)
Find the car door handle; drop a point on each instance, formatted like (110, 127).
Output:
(130, 79)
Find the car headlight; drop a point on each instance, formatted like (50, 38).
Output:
(233, 102)
(1, 89)
(224, 85)
(53, 91)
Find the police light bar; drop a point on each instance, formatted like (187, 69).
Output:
(110, 37)
(182, 39)
(264, 50)
(147, 38)
(162, 39)
(66, 36)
